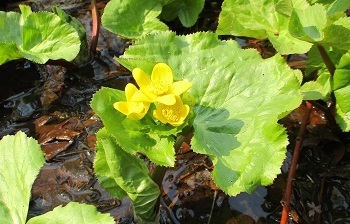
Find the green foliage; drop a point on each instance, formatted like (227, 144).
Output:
(284, 21)
(186, 10)
(36, 36)
(112, 162)
(332, 6)
(134, 136)
(341, 87)
(83, 55)
(261, 19)
(73, 212)
(130, 19)
(312, 24)
(20, 162)
(237, 102)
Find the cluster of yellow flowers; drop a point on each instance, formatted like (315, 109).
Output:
(159, 89)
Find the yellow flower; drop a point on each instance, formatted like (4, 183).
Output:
(172, 114)
(133, 110)
(160, 87)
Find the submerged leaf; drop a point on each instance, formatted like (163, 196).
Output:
(238, 102)
(73, 212)
(20, 161)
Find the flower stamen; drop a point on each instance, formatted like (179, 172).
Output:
(158, 87)
(171, 113)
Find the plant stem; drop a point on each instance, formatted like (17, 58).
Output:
(95, 27)
(326, 59)
(292, 169)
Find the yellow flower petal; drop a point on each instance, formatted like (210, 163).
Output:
(122, 107)
(180, 87)
(167, 99)
(158, 115)
(162, 71)
(130, 90)
(141, 78)
(185, 109)
(140, 96)
(172, 114)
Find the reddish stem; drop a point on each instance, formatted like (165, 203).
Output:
(326, 59)
(95, 27)
(291, 174)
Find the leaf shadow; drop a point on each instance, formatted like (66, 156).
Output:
(216, 130)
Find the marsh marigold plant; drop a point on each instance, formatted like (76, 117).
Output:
(159, 89)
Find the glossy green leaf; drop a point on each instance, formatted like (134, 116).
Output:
(73, 212)
(37, 36)
(261, 19)
(336, 34)
(319, 89)
(46, 36)
(130, 19)
(315, 62)
(159, 149)
(308, 23)
(238, 102)
(186, 10)
(333, 6)
(343, 119)
(130, 174)
(9, 52)
(10, 28)
(341, 83)
(104, 173)
(20, 161)
(83, 55)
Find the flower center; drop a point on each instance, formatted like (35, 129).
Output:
(171, 113)
(158, 87)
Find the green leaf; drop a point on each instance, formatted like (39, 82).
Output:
(159, 149)
(333, 6)
(104, 172)
(315, 62)
(36, 36)
(130, 19)
(20, 161)
(130, 174)
(10, 28)
(261, 19)
(238, 102)
(341, 83)
(46, 36)
(343, 119)
(83, 55)
(9, 52)
(73, 212)
(336, 34)
(308, 23)
(186, 10)
(319, 89)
